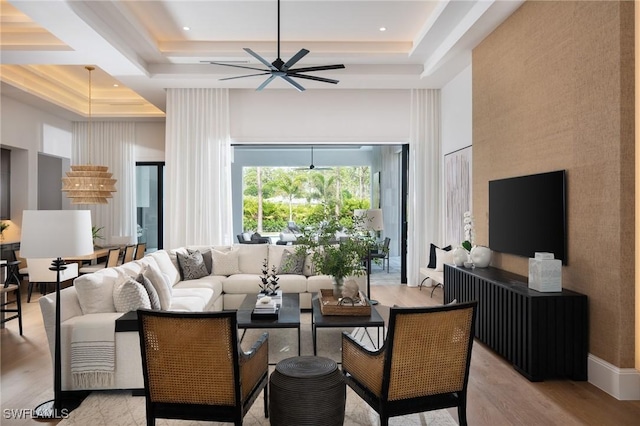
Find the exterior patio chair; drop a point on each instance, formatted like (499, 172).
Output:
(422, 366)
(194, 368)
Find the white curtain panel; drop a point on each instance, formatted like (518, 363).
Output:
(424, 181)
(198, 168)
(110, 144)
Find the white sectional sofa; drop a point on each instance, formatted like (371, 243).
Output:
(88, 308)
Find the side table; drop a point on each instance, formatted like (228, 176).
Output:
(307, 390)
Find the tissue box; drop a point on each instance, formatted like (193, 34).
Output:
(545, 275)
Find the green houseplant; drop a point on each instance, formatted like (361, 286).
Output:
(337, 248)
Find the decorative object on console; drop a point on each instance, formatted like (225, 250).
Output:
(460, 256)
(469, 233)
(545, 273)
(480, 256)
(269, 280)
(56, 234)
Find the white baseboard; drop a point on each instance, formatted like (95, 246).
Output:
(621, 383)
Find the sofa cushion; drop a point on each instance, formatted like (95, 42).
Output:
(163, 288)
(192, 265)
(242, 284)
(211, 282)
(191, 299)
(95, 292)
(166, 266)
(291, 263)
(130, 295)
(225, 262)
(251, 257)
(154, 299)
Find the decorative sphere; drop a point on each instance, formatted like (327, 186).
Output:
(481, 256)
(460, 256)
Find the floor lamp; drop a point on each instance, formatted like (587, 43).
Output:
(372, 221)
(56, 234)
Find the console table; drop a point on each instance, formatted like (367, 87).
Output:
(544, 335)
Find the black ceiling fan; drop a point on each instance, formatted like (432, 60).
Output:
(312, 166)
(279, 68)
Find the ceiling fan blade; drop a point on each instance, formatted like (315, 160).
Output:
(318, 68)
(267, 81)
(301, 54)
(293, 83)
(313, 77)
(243, 76)
(260, 58)
(232, 65)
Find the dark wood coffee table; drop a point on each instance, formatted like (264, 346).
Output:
(289, 316)
(341, 321)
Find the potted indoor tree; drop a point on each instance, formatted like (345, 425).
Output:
(337, 249)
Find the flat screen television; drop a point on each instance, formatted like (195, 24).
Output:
(527, 214)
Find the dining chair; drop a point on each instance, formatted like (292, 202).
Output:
(112, 260)
(423, 364)
(140, 250)
(11, 286)
(194, 368)
(129, 251)
(39, 273)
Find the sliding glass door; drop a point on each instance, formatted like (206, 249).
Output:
(150, 203)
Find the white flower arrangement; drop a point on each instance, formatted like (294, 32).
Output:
(469, 234)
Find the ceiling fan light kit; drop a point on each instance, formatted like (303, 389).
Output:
(281, 69)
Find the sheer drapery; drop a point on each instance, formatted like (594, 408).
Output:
(424, 180)
(198, 167)
(110, 144)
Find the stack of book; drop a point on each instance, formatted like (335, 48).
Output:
(266, 308)
(277, 298)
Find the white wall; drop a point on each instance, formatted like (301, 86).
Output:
(456, 115)
(150, 139)
(363, 116)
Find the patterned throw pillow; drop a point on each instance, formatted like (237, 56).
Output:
(225, 262)
(161, 285)
(130, 295)
(192, 265)
(291, 263)
(150, 289)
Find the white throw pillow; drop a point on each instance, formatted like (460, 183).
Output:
(443, 257)
(130, 295)
(225, 263)
(246, 236)
(95, 293)
(161, 285)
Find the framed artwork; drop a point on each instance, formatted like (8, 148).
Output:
(457, 193)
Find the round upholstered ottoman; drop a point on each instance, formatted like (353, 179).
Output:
(306, 390)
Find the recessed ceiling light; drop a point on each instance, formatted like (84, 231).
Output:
(383, 28)
(116, 85)
(186, 28)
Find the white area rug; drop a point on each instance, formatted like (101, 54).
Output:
(119, 408)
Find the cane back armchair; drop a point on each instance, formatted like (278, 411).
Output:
(423, 364)
(194, 369)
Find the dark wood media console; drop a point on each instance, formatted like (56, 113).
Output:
(544, 335)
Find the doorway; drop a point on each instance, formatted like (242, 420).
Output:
(150, 204)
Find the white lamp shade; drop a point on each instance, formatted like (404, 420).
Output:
(56, 233)
(372, 218)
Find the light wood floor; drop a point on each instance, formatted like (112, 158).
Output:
(498, 395)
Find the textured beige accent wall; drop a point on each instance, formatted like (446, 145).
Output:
(553, 88)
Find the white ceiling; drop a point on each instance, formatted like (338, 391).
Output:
(142, 46)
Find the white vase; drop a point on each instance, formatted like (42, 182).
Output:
(480, 256)
(460, 255)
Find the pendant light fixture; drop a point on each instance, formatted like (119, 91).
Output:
(89, 184)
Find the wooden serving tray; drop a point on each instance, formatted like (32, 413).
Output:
(329, 306)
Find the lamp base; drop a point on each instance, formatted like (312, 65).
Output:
(47, 411)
